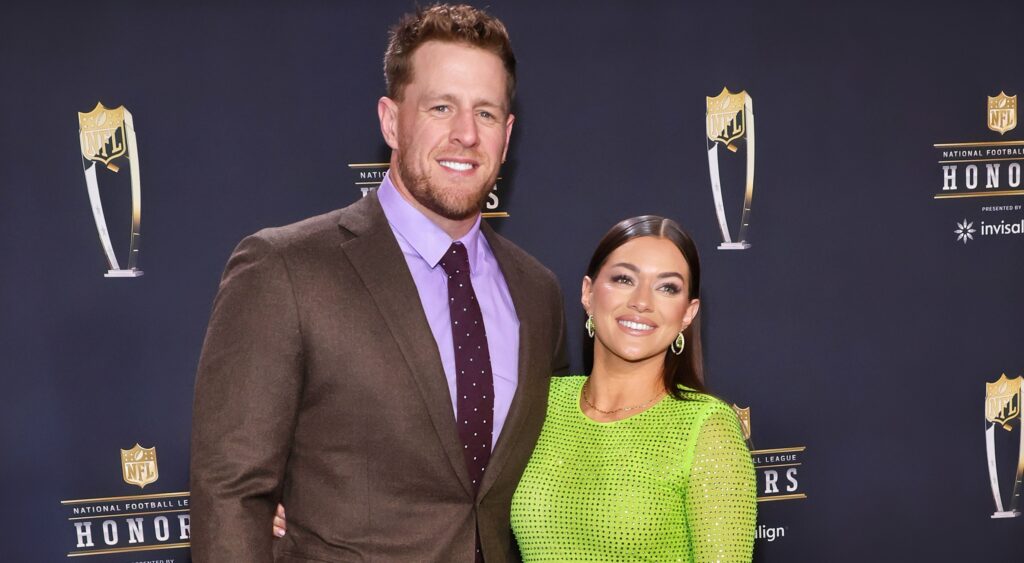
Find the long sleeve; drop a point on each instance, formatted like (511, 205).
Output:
(246, 399)
(721, 496)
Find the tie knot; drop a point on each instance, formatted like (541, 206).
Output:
(456, 260)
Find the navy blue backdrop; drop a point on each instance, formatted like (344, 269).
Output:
(858, 326)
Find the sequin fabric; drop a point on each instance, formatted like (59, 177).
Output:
(672, 483)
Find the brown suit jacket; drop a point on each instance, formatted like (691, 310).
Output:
(320, 385)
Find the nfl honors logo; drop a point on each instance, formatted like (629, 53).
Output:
(138, 466)
(777, 469)
(1002, 113)
(130, 523)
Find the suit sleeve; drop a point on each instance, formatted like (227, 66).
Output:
(246, 397)
(560, 360)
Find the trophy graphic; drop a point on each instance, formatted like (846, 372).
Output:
(1002, 406)
(730, 118)
(106, 135)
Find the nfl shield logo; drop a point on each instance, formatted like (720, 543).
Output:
(1002, 113)
(101, 133)
(1002, 400)
(726, 117)
(744, 416)
(138, 466)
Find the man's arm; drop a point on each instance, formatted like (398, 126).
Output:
(246, 397)
(560, 361)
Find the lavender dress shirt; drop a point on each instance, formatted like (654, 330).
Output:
(423, 244)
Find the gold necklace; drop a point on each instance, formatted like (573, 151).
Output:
(586, 399)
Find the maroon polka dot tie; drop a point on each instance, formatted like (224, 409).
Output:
(473, 383)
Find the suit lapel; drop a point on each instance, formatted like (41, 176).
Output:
(377, 258)
(520, 289)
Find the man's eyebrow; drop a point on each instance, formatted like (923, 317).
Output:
(431, 97)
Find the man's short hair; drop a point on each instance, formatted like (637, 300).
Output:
(445, 22)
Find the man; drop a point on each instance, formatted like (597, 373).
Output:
(383, 369)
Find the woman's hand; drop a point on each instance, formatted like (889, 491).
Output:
(280, 524)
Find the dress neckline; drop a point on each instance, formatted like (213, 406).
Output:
(578, 394)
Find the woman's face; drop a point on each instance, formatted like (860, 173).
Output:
(640, 299)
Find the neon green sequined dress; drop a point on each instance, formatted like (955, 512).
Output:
(672, 483)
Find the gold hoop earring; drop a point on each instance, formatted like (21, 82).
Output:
(678, 344)
(590, 326)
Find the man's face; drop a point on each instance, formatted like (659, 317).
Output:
(449, 132)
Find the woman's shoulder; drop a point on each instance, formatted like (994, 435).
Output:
(564, 394)
(697, 403)
(566, 385)
(709, 417)
(698, 399)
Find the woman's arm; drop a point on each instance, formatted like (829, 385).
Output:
(721, 496)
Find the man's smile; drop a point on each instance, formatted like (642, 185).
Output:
(457, 165)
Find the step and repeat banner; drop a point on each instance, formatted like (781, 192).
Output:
(863, 246)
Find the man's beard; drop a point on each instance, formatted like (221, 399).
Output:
(445, 203)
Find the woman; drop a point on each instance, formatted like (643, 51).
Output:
(635, 461)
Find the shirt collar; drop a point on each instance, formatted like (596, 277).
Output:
(426, 238)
